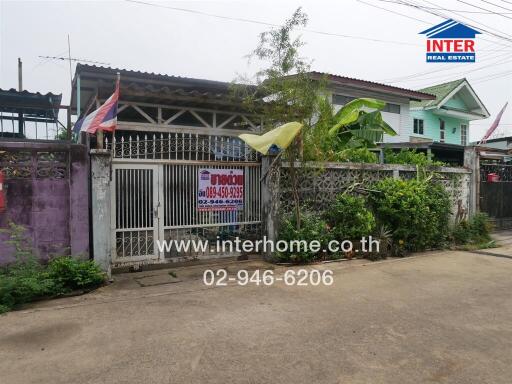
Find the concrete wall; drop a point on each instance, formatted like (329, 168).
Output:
(46, 191)
(321, 182)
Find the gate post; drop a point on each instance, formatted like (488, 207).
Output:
(270, 171)
(472, 162)
(100, 197)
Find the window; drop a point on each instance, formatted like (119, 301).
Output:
(418, 126)
(464, 134)
(341, 99)
(391, 108)
(441, 130)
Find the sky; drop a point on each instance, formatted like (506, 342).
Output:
(375, 40)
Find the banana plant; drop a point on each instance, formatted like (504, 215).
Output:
(355, 127)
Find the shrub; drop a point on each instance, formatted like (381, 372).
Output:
(71, 273)
(416, 211)
(476, 230)
(409, 157)
(26, 279)
(357, 155)
(313, 227)
(23, 284)
(349, 218)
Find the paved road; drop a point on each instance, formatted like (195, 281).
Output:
(436, 318)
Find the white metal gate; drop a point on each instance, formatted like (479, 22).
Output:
(134, 212)
(155, 198)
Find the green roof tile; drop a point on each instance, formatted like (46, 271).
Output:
(439, 90)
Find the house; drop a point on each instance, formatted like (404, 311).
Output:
(446, 118)
(504, 142)
(147, 178)
(342, 89)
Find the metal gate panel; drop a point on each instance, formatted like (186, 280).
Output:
(183, 221)
(134, 212)
(155, 190)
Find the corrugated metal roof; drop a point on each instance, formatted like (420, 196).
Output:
(211, 89)
(440, 91)
(168, 91)
(371, 85)
(83, 68)
(28, 102)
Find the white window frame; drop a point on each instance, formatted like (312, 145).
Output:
(464, 134)
(442, 131)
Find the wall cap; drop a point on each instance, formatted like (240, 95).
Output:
(100, 152)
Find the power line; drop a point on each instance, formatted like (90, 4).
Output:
(446, 9)
(444, 16)
(447, 68)
(479, 23)
(389, 10)
(258, 22)
(485, 9)
(499, 35)
(427, 81)
(490, 77)
(496, 5)
(421, 74)
(449, 76)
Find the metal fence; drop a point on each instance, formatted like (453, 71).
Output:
(155, 191)
(180, 146)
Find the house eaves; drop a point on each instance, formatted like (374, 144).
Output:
(372, 86)
(92, 77)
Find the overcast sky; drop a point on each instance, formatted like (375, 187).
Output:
(163, 40)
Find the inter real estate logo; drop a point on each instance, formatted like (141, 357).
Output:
(450, 42)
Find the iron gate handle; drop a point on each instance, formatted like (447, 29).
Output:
(155, 211)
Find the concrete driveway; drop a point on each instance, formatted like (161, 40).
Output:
(441, 317)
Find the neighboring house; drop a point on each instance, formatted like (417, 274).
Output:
(446, 119)
(504, 142)
(343, 89)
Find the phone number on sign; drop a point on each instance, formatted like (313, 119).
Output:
(300, 277)
(224, 192)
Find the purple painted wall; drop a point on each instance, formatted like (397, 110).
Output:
(47, 192)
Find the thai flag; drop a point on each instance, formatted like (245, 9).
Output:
(104, 118)
(494, 125)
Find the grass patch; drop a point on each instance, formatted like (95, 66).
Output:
(26, 279)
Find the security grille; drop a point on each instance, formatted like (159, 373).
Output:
(155, 195)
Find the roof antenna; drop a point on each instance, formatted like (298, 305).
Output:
(71, 59)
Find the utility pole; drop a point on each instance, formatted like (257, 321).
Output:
(20, 88)
(20, 75)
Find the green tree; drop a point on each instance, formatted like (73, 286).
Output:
(284, 91)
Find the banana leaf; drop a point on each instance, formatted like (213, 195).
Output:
(349, 113)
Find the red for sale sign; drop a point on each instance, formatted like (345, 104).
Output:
(220, 189)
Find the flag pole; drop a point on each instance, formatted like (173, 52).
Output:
(99, 136)
(99, 139)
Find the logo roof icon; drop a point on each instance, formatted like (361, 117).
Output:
(450, 29)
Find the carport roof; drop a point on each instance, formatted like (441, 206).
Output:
(148, 85)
